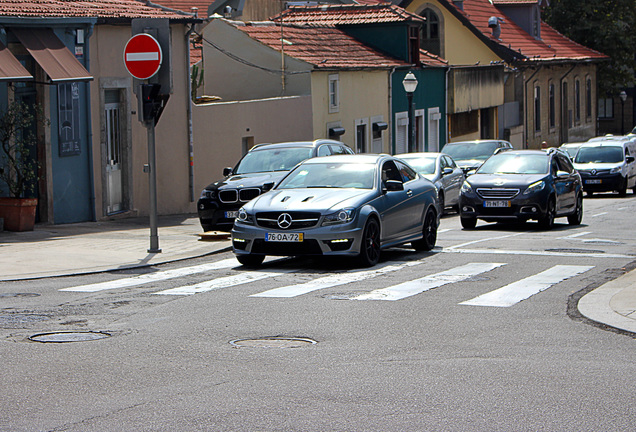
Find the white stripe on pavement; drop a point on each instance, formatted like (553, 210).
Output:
(331, 281)
(540, 253)
(224, 282)
(525, 288)
(426, 283)
(154, 277)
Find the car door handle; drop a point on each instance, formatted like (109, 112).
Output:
(409, 192)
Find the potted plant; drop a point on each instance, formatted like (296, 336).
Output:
(18, 171)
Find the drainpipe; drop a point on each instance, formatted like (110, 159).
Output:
(89, 131)
(564, 124)
(525, 108)
(446, 115)
(390, 120)
(189, 103)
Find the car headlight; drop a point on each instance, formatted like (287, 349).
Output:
(615, 170)
(534, 187)
(244, 217)
(466, 187)
(339, 217)
(209, 194)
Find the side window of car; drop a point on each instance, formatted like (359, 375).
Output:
(339, 150)
(450, 163)
(324, 150)
(406, 172)
(554, 166)
(565, 164)
(390, 172)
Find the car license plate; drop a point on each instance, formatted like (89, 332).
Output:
(231, 214)
(284, 237)
(496, 203)
(593, 181)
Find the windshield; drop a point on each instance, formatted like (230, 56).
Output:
(612, 154)
(330, 175)
(515, 164)
(423, 165)
(570, 150)
(465, 151)
(280, 159)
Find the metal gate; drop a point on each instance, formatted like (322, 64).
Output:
(113, 134)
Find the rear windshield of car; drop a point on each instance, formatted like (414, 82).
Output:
(423, 165)
(280, 159)
(330, 175)
(515, 164)
(603, 154)
(478, 151)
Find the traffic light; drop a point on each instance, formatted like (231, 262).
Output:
(152, 103)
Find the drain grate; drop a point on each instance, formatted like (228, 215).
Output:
(61, 337)
(273, 342)
(19, 295)
(16, 320)
(582, 251)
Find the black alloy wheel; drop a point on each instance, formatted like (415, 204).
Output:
(370, 248)
(576, 217)
(547, 221)
(251, 260)
(468, 222)
(429, 233)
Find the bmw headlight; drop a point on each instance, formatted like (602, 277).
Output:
(244, 217)
(534, 187)
(615, 170)
(209, 194)
(466, 187)
(339, 217)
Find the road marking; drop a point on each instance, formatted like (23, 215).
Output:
(515, 292)
(154, 277)
(417, 286)
(575, 235)
(488, 239)
(332, 280)
(599, 214)
(540, 253)
(224, 282)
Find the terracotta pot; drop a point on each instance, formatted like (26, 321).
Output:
(18, 213)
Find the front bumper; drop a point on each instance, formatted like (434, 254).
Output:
(214, 216)
(344, 240)
(519, 208)
(602, 182)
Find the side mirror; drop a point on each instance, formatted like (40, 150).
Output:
(562, 174)
(471, 172)
(392, 186)
(267, 186)
(447, 171)
(629, 159)
(227, 171)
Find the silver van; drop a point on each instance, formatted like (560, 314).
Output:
(607, 164)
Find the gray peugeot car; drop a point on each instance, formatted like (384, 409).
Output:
(350, 205)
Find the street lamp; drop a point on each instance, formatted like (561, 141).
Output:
(410, 84)
(623, 97)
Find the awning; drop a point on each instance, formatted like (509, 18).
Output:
(50, 53)
(10, 67)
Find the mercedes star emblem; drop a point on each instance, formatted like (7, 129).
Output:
(284, 220)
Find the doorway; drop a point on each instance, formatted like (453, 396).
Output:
(114, 161)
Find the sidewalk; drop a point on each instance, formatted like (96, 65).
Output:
(90, 247)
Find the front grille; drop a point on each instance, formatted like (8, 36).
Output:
(307, 247)
(228, 196)
(299, 219)
(249, 194)
(497, 193)
(598, 172)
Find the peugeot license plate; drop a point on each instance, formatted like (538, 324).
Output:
(231, 214)
(496, 203)
(284, 237)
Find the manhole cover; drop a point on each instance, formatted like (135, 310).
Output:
(19, 295)
(574, 251)
(340, 296)
(273, 342)
(60, 337)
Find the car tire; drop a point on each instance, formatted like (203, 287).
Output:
(251, 260)
(576, 217)
(441, 202)
(468, 222)
(546, 222)
(622, 190)
(429, 233)
(370, 248)
(589, 194)
(207, 227)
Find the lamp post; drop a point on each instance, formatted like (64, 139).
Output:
(410, 84)
(623, 97)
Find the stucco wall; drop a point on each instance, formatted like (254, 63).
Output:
(222, 131)
(171, 133)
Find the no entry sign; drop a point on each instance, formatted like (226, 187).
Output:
(142, 56)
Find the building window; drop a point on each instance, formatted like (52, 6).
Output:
(536, 23)
(606, 108)
(577, 101)
(69, 118)
(430, 38)
(334, 93)
(551, 107)
(537, 109)
(588, 98)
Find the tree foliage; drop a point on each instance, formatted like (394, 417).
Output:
(608, 26)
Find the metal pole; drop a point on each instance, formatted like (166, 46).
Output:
(154, 238)
(411, 129)
(622, 116)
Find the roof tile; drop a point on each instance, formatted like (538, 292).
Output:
(333, 15)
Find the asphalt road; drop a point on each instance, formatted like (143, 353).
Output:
(480, 334)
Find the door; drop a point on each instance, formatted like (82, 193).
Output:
(114, 181)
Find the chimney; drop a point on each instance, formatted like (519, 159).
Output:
(493, 23)
(459, 4)
(194, 11)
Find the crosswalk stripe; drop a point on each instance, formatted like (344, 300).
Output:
(515, 292)
(223, 282)
(332, 280)
(417, 286)
(153, 277)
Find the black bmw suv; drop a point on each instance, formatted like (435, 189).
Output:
(264, 163)
(521, 185)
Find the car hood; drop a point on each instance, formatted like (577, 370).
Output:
(247, 180)
(596, 166)
(315, 199)
(504, 180)
(469, 163)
